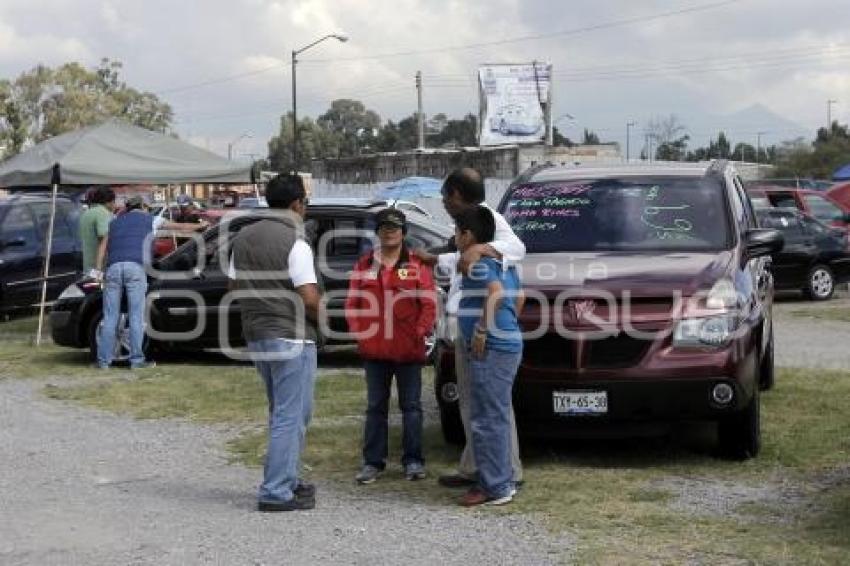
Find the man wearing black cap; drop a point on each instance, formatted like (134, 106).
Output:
(277, 288)
(391, 339)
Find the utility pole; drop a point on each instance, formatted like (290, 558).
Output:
(758, 154)
(628, 138)
(829, 104)
(420, 117)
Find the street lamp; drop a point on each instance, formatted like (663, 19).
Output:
(628, 138)
(295, 52)
(234, 142)
(829, 104)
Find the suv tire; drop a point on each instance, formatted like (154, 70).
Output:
(820, 283)
(740, 434)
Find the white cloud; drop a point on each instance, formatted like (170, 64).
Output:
(165, 44)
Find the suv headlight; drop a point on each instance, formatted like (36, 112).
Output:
(722, 295)
(714, 331)
(71, 292)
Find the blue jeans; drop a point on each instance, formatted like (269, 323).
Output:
(379, 379)
(120, 277)
(492, 383)
(288, 370)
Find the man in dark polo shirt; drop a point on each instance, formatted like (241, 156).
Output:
(276, 285)
(126, 251)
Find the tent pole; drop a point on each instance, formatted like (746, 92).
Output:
(47, 255)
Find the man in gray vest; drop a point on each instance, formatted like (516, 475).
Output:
(275, 281)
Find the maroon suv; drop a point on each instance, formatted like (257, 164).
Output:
(649, 300)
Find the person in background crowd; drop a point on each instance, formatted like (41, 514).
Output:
(126, 252)
(491, 298)
(462, 190)
(94, 226)
(189, 212)
(391, 340)
(273, 271)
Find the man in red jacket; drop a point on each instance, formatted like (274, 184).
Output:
(391, 308)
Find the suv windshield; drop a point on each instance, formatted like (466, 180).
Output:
(627, 214)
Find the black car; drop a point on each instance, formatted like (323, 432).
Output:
(192, 312)
(816, 257)
(24, 222)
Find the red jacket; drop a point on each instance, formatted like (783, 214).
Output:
(390, 322)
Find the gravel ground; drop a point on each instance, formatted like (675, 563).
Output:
(84, 487)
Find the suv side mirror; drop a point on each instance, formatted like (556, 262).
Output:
(763, 241)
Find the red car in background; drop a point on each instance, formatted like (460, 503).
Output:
(820, 206)
(165, 245)
(840, 193)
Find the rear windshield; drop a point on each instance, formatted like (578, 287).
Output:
(630, 214)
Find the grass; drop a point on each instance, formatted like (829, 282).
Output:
(618, 499)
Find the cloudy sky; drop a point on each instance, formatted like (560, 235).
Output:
(746, 66)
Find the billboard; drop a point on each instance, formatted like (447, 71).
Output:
(513, 103)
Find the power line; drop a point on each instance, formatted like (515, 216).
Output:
(574, 31)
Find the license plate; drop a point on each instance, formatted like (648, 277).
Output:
(580, 402)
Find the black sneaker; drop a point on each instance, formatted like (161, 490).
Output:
(305, 489)
(295, 504)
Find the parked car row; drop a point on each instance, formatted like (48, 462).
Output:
(174, 314)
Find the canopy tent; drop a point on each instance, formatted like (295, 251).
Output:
(842, 173)
(113, 153)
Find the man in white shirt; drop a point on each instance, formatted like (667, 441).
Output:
(463, 189)
(272, 269)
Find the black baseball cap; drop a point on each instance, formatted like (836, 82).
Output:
(391, 216)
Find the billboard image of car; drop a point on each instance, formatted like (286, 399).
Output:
(513, 99)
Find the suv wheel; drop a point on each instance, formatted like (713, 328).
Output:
(820, 283)
(122, 344)
(767, 370)
(740, 434)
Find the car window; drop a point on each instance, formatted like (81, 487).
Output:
(788, 224)
(782, 200)
(18, 224)
(620, 214)
(62, 226)
(749, 213)
(814, 227)
(822, 209)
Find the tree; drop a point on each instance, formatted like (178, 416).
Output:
(590, 138)
(44, 102)
(829, 151)
(313, 142)
(458, 133)
(558, 139)
(350, 121)
(669, 137)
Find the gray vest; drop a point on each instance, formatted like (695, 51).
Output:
(270, 306)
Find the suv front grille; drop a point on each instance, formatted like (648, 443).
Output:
(553, 351)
